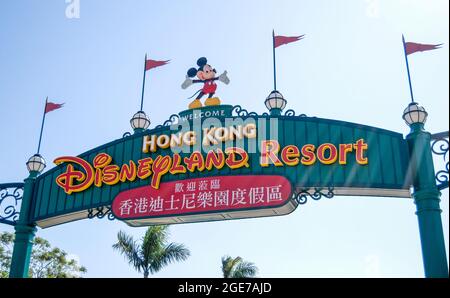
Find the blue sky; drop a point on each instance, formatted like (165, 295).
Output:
(349, 67)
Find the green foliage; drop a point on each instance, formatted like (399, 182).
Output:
(6, 240)
(237, 268)
(46, 262)
(153, 253)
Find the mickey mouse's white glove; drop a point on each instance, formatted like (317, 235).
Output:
(223, 78)
(188, 82)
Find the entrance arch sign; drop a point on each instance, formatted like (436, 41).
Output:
(309, 153)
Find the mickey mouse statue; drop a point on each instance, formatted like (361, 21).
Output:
(207, 76)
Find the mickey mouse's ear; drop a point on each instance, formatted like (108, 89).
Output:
(192, 72)
(201, 61)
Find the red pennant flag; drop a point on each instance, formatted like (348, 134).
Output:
(412, 47)
(50, 106)
(149, 64)
(281, 40)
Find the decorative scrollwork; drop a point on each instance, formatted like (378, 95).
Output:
(127, 134)
(291, 113)
(440, 147)
(241, 112)
(301, 196)
(11, 195)
(173, 119)
(101, 212)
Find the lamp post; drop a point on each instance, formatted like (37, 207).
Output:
(426, 194)
(139, 122)
(275, 103)
(25, 230)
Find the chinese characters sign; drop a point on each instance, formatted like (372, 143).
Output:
(200, 195)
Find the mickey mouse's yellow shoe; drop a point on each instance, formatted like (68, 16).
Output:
(212, 101)
(195, 104)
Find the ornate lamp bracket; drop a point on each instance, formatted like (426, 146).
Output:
(11, 195)
(439, 147)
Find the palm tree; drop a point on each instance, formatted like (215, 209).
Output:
(153, 253)
(237, 268)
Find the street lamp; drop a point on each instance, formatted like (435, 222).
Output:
(275, 103)
(140, 121)
(36, 164)
(415, 114)
(426, 194)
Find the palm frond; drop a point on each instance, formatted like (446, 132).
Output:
(228, 265)
(225, 267)
(154, 241)
(127, 246)
(153, 253)
(171, 253)
(245, 270)
(237, 268)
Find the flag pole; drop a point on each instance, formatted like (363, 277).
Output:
(42, 126)
(407, 68)
(274, 63)
(143, 83)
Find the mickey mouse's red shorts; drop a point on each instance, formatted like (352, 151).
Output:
(209, 87)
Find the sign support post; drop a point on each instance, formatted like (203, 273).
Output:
(427, 197)
(25, 232)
